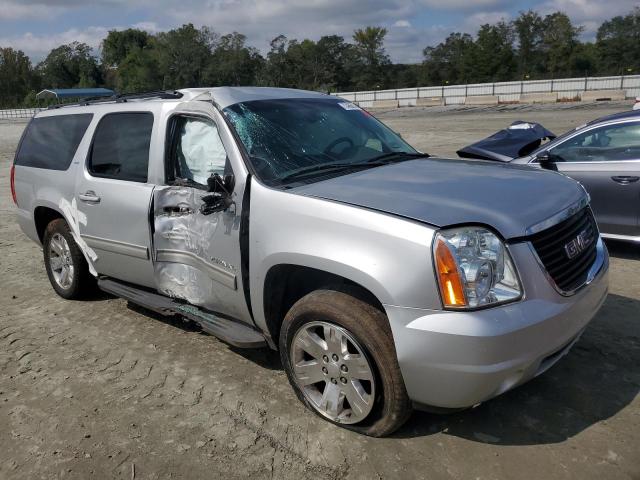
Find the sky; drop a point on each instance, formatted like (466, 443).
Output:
(37, 26)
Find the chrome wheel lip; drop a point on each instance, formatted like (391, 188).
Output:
(60, 261)
(327, 383)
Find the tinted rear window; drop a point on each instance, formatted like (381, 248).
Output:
(121, 147)
(51, 142)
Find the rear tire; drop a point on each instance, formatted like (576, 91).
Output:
(66, 266)
(356, 330)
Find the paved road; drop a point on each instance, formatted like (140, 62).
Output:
(97, 389)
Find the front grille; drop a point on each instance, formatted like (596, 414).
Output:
(567, 266)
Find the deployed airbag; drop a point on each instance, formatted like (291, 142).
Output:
(202, 150)
(519, 139)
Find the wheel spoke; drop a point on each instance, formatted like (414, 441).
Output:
(55, 262)
(332, 399)
(333, 337)
(56, 245)
(308, 373)
(358, 367)
(64, 277)
(357, 397)
(312, 344)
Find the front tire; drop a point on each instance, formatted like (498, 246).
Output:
(339, 356)
(66, 266)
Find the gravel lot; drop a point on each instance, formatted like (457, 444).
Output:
(98, 389)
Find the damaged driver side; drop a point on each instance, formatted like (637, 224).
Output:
(196, 219)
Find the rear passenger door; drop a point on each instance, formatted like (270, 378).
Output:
(113, 196)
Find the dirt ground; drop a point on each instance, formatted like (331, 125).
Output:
(98, 389)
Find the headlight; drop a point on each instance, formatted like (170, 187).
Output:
(474, 268)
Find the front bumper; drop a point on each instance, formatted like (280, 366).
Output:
(458, 359)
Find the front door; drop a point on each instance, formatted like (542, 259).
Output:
(113, 197)
(606, 161)
(197, 253)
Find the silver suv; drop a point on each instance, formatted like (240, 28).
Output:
(387, 279)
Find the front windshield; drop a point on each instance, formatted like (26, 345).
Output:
(284, 136)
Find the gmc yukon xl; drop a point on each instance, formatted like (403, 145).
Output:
(386, 278)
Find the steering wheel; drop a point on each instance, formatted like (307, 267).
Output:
(338, 141)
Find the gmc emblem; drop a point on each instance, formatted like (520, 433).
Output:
(578, 244)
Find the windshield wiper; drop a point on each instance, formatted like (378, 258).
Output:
(396, 156)
(378, 161)
(328, 167)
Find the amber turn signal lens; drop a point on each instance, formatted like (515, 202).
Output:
(448, 276)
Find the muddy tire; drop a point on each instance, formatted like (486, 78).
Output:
(66, 266)
(339, 356)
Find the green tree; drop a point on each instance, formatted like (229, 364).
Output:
(584, 60)
(449, 61)
(559, 40)
(618, 44)
(492, 56)
(278, 63)
(70, 66)
(528, 28)
(118, 44)
(183, 56)
(139, 71)
(334, 58)
(16, 77)
(307, 64)
(371, 57)
(233, 62)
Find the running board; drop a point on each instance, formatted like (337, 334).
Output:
(229, 331)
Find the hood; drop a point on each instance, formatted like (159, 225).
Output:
(521, 138)
(509, 198)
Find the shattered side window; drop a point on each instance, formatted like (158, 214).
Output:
(199, 151)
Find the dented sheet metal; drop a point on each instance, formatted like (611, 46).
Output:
(182, 244)
(75, 218)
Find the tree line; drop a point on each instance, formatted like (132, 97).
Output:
(529, 47)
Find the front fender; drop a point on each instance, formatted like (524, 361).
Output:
(387, 255)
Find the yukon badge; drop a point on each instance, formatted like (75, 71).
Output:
(578, 244)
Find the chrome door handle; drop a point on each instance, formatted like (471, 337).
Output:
(625, 179)
(89, 196)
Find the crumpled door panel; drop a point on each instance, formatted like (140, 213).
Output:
(183, 240)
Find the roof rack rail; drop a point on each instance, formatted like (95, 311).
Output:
(122, 98)
(164, 94)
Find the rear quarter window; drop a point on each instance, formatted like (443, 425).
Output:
(51, 142)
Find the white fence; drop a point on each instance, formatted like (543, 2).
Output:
(566, 88)
(17, 113)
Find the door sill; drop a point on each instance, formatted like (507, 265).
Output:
(230, 331)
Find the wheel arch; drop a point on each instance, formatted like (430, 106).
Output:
(42, 216)
(286, 283)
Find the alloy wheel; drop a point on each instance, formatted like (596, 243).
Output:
(333, 372)
(60, 261)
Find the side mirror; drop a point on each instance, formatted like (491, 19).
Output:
(220, 185)
(219, 198)
(546, 160)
